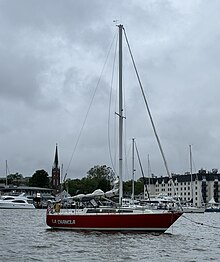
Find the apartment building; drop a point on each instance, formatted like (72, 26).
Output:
(197, 188)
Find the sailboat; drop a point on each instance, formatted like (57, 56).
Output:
(96, 217)
(192, 208)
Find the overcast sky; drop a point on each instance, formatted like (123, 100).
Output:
(51, 56)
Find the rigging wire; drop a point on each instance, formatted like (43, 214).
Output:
(149, 113)
(147, 106)
(127, 168)
(89, 107)
(109, 108)
(142, 171)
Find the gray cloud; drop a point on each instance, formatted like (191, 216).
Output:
(51, 56)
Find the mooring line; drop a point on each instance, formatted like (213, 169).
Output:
(199, 223)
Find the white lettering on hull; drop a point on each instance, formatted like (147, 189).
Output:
(63, 221)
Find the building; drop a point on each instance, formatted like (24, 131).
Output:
(29, 191)
(56, 172)
(197, 188)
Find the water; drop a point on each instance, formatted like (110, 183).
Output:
(24, 236)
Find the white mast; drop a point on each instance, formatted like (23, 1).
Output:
(149, 173)
(133, 170)
(6, 173)
(190, 158)
(120, 117)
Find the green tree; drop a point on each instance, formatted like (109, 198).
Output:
(74, 186)
(98, 177)
(138, 187)
(14, 179)
(40, 179)
(127, 187)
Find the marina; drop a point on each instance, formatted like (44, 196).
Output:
(130, 184)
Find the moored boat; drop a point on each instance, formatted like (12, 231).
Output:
(212, 206)
(113, 217)
(193, 209)
(163, 201)
(16, 202)
(213, 209)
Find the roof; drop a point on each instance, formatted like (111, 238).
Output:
(28, 188)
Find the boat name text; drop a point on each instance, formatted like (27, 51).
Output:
(63, 221)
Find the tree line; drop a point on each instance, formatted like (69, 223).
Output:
(98, 177)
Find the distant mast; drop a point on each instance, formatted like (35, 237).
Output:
(190, 160)
(6, 172)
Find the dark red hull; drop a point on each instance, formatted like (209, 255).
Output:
(154, 222)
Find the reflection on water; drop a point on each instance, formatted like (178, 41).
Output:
(25, 237)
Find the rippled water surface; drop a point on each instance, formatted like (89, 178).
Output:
(24, 236)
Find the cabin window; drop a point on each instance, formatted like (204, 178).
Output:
(9, 198)
(19, 201)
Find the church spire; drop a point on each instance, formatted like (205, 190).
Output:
(56, 171)
(55, 164)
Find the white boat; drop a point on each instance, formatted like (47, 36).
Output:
(163, 201)
(213, 209)
(212, 206)
(16, 202)
(193, 209)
